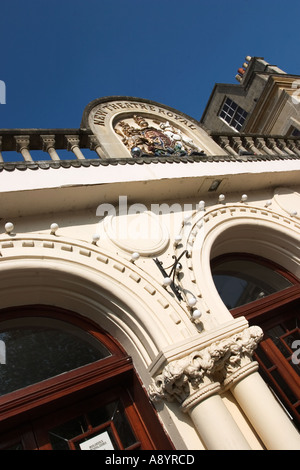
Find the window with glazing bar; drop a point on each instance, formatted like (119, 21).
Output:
(233, 114)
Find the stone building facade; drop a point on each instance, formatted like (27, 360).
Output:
(265, 101)
(172, 257)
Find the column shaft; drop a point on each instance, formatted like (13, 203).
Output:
(216, 426)
(266, 415)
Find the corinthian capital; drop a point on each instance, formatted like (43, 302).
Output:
(211, 365)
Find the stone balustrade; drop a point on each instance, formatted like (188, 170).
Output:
(259, 147)
(47, 141)
(51, 143)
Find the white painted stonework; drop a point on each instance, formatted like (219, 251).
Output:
(199, 372)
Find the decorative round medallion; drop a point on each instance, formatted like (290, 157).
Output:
(141, 232)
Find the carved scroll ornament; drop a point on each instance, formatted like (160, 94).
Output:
(180, 379)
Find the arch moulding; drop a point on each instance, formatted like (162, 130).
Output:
(235, 228)
(113, 292)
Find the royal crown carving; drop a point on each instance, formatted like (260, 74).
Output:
(200, 369)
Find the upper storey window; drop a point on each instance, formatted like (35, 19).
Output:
(241, 281)
(233, 114)
(295, 132)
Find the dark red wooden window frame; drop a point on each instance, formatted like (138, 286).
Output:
(32, 402)
(266, 313)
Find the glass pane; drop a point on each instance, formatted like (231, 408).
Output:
(93, 431)
(102, 415)
(241, 281)
(114, 412)
(275, 334)
(292, 323)
(295, 132)
(231, 104)
(263, 357)
(99, 440)
(284, 386)
(60, 435)
(295, 365)
(292, 339)
(43, 348)
(123, 428)
(227, 118)
(236, 125)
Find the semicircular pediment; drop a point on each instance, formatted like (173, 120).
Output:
(130, 127)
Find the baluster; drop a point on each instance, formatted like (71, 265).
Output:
(236, 143)
(48, 145)
(95, 145)
(225, 144)
(261, 145)
(292, 145)
(249, 144)
(73, 145)
(272, 143)
(282, 144)
(22, 146)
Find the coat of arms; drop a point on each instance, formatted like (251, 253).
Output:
(155, 139)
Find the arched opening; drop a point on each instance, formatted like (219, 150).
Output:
(269, 296)
(241, 279)
(68, 385)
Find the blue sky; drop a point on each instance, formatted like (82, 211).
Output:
(58, 55)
